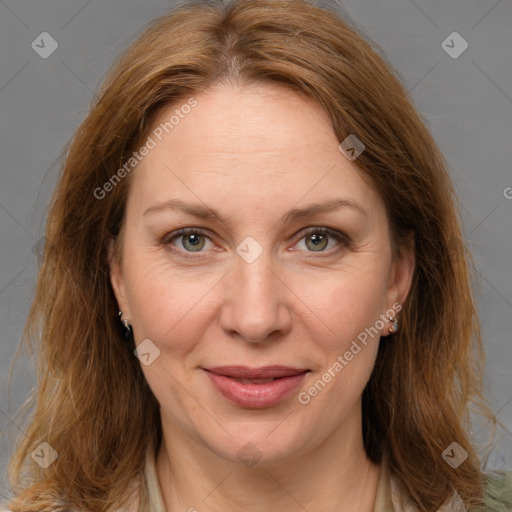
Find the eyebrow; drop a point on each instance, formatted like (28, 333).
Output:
(205, 212)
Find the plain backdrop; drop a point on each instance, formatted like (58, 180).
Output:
(464, 93)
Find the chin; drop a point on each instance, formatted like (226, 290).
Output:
(263, 443)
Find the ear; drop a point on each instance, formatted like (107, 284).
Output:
(400, 277)
(117, 280)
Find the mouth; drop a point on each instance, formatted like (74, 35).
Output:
(255, 388)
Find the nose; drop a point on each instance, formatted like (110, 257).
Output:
(256, 302)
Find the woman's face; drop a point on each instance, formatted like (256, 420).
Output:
(258, 285)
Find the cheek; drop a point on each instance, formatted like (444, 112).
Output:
(351, 352)
(348, 350)
(342, 304)
(166, 303)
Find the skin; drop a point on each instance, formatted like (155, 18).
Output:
(253, 154)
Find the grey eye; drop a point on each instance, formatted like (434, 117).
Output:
(319, 241)
(193, 242)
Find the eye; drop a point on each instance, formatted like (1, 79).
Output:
(317, 239)
(190, 239)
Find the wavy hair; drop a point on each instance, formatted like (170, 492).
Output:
(92, 403)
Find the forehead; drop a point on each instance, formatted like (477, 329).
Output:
(252, 146)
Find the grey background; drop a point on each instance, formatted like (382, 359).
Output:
(467, 102)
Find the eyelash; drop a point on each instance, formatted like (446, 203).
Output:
(339, 236)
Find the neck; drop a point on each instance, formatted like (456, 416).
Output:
(334, 477)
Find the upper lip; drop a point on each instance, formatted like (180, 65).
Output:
(264, 372)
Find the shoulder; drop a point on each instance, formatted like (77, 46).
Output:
(497, 495)
(498, 491)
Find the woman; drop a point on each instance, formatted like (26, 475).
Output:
(254, 293)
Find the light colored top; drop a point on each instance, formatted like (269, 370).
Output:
(388, 497)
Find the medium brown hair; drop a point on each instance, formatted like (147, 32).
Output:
(93, 405)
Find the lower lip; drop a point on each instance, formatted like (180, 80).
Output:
(255, 396)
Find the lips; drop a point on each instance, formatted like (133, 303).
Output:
(265, 372)
(255, 388)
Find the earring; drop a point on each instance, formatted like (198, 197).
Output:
(127, 326)
(394, 327)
